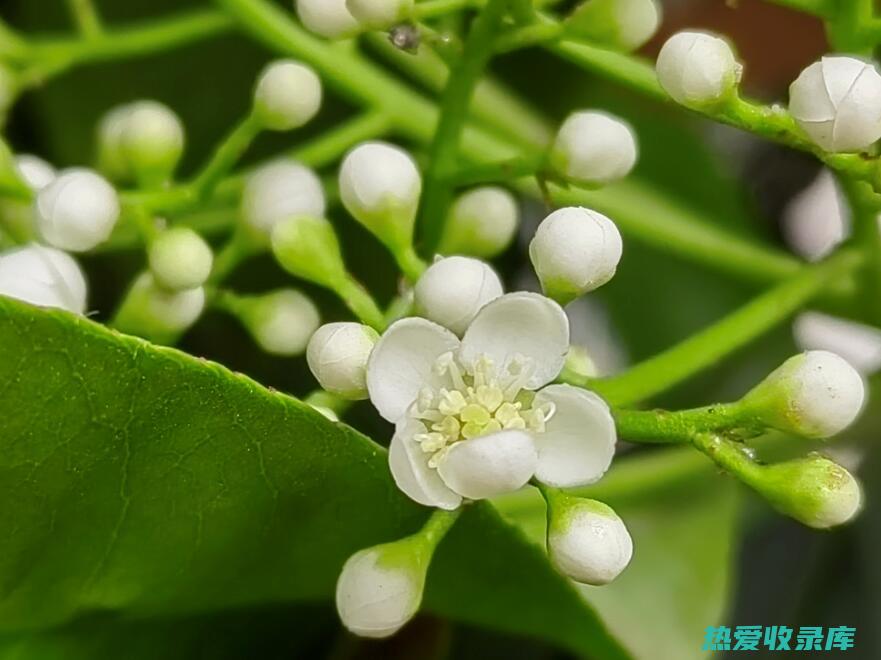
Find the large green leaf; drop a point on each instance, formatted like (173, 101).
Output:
(140, 480)
(683, 520)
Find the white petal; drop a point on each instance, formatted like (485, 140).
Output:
(490, 465)
(578, 444)
(520, 324)
(402, 364)
(409, 467)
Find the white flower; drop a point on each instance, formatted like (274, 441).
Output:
(380, 589)
(337, 355)
(282, 322)
(43, 276)
(151, 138)
(697, 69)
(472, 420)
(281, 190)
(328, 18)
(380, 13)
(859, 344)
(816, 394)
(482, 223)
(288, 94)
(837, 102)
(625, 24)
(588, 541)
(454, 289)
(380, 186)
(595, 148)
(180, 259)
(575, 250)
(77, 211)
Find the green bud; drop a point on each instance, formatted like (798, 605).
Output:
(813, 490)
(621, 24)
(482, 223)
(151, 141)
(281, 322)
(307, 247)
(112, 161)
(156, 314)
(180, 259)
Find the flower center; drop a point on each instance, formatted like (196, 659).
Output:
(468, 403)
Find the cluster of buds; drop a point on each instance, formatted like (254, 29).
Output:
(338, 19)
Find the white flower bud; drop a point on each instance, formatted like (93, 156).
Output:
(151, 137)
(307, 247)
(594, 148)
(380, 186)
(156, 313)
(697, 69)
(77, 211)
(587, 541)
(112, 160)
(43, 276)
(281, 322)
(817, 219)
(337, 355)
(328, 18)
(180, 259)
(17, 214)
(575, 250)
(380, 13)
(816, 394)
(280, 190)
(452, 290)
(482, 223)
(34, 171)
(624, 24)
(380, 589)
(837, 102)
(813, 490)
(288, 95)
(857, 343)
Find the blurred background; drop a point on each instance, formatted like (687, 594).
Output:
(708, 552)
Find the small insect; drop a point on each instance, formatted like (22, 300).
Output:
(406, 37)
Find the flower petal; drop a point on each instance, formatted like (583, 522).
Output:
(402, 363)
(578, 444)
(409, 467)
(525, 324)
(489, 465)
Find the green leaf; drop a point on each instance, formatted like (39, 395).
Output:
(683, 520)
(140, 480)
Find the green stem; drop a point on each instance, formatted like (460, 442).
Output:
(821, 8)
(865, 206)
(435, 8)
(327, 148)
(444, 151)
(361, 303)
(530, 35)
(500, 171)
(226, 156)
(705, 348)
(661, 426)
(86, 17)
(239, 247)
(438, 525)
(410, 263)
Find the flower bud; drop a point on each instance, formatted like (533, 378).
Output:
(816, 394)
(482, 223)
(280, 190)
(328, 18)
(77, 211)
(454, 289)
(813, 490)
(857, 343)
(698, 69)
(36, 174)
(288, 95)
(34, 171)
(156, 314)
(594, 148)
(337, 355)
(307, 247)
(180, 259)
(380, 588)
(151, 139)
(580, 363)
(587, 541)
(43, 276)
(112, 160)
(837, 102)
(622, 24)
(575, 250)
(380, 186)
(281, 322)
(378, 14)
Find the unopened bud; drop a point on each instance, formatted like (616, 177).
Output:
(77, 211)
(307, 247)
(180, 259)
(594, 148)
(482, 223)
(698, 69)
(623, 24)
(328, 18)
(288, 95)
(281, 322)
(378, 14)
(337, 355)
(156, 314)
(454, 289)
(151, 140)
(280, 190)
(43, 276)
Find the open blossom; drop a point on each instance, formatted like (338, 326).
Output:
(475, 417)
